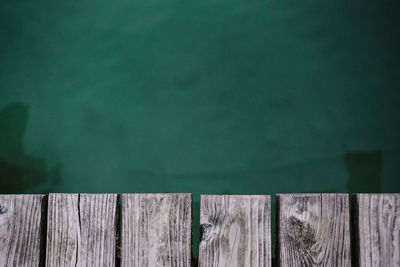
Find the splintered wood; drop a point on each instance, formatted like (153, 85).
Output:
(81, 230)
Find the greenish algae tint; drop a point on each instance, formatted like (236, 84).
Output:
(208, 97)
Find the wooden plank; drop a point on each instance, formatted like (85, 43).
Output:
(20, 229)
(156, 230)
(377, 227)
(313, 230)
(235, 231)
(98, 229)
(81, 230)
(63, 228)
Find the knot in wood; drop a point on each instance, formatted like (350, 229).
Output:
(387, 206)
(205, 229)
(3, 209)
(300, 232)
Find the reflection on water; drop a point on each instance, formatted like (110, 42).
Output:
(19, 172)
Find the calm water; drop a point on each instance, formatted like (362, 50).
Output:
(233, 97)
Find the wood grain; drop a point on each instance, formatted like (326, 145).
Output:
(81, 230)
(313, 230)
(235, 231)
(20, 229)
(377, 229)
(156, 230)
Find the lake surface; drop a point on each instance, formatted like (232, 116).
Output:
(207, 97)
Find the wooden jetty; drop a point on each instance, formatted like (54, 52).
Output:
(143, 230)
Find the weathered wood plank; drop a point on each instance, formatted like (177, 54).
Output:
(98, 229)
(81, 230)
(235, 231)
(63, 228)
(313, 230)
(377, 228)
(20, 230)
(156, 230)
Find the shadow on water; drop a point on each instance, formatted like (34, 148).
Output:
(20, 171)
(364, 170)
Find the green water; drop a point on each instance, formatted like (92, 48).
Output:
(235, 97)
